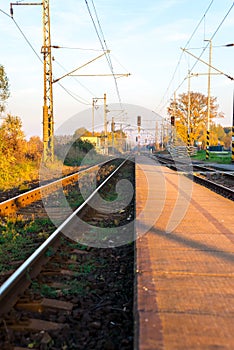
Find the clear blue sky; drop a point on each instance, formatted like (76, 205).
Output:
(144, 38)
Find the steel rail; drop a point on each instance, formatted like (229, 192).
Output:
(227, 192)
(13, 204)
(201, 168)
(218, 188)
(9, 287)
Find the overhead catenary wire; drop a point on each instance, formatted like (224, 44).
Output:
(71, 94)
(102, 34)
(75, 48)
(181, 55)
(103, 45)
(118, 62)
(212, 37)
(197, 60)
(65, 70)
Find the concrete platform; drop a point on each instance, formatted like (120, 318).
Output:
(184, 263)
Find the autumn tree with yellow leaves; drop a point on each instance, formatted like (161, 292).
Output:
(197, 122)
(4, 88)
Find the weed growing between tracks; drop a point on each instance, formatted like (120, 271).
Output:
(100, 287)
(98, 282)
(18, 239)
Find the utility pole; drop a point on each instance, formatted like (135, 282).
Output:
(95, 99)
(138, 132)
(93, 107)
(93, 117)
(156, 135)
(209, 74)
(208, 105)
(189, 114)
(233, 128)
(105, 127)
(48, 119)
(113, 134)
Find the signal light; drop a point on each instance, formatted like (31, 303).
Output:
(139, 120)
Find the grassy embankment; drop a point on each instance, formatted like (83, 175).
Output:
(218, 157)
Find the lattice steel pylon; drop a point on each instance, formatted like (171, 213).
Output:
(48, 118)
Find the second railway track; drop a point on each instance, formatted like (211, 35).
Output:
(218, 181)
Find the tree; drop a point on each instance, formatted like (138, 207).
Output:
(4, 88)
(228, 140)
(119, 140)
(12, 152)
(220, 133)
(34, 148)
(198, 114)
(12, 137)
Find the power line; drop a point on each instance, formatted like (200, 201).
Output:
(73, 95)
(221, 23)
(22, 33)
(198, 25)
(104, 46)
(103, 38)
(26, 39)
(91, 93)
(76, 48)
(181, 55)
(5, 13)
(119, 62)
(108, 55)
(217, 29)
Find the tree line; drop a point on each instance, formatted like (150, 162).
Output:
(20, 158)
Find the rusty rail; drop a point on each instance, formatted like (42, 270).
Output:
(22, 277)
(12, 205)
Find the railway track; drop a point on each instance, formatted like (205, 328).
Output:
(13, 205)
(39, 218)
(41, 301)
(219, 181)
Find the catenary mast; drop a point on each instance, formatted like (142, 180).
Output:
(48, 118)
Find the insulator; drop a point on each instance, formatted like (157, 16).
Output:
(11, 10)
